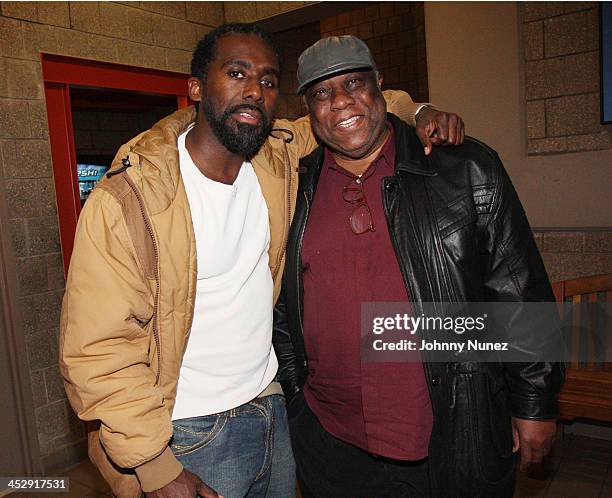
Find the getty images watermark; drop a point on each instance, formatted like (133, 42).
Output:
(486, 332)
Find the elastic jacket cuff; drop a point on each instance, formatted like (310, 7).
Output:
(156, 473)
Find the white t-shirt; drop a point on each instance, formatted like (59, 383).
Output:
(229, 358)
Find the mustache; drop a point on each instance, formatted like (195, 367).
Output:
(247, 107)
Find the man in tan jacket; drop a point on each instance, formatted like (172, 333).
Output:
(164, 411)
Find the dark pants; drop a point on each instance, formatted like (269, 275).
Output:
(330, 468)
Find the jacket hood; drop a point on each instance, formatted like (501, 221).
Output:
(154, 160)
(154, 153)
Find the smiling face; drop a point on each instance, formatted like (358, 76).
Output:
(239, 93)
(348, 113)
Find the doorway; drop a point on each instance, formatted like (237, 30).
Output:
(105, 119)
(93, 108)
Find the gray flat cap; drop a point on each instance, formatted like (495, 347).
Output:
(332, 55)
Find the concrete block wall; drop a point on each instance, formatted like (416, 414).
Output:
(395, 33)
(561, 53)
(575, 253)
(159, 35)
(102, 133)
(291, 44)
(255, 11)
(562, 91)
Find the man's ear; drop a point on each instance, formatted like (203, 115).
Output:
(194, 89)
(379, 81)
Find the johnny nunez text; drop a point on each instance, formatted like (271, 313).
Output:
(408, 345)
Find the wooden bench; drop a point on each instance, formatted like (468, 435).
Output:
(587, 392)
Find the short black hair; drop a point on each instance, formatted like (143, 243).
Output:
(206, 49)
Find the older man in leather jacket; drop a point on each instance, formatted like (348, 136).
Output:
(377, 220)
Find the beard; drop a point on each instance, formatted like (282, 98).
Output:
(239, 138)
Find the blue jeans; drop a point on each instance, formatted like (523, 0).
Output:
(242, 452)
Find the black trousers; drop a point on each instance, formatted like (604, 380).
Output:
(330, 468)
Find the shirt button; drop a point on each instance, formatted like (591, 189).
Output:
(389, 186)
(358, 180)
(435, 380)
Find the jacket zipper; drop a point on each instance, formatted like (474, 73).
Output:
(288, 213)
(395, 244)
(298, 261)
(155, 271)
(407, 282)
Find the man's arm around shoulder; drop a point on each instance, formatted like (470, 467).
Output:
(399, 103)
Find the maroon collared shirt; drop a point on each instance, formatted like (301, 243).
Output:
(383, 408)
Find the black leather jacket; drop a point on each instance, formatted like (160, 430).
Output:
(460, 235)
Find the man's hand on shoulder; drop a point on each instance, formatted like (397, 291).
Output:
(435, 127)
(534, 438)
(186, 485)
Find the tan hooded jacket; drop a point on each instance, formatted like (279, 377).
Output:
(130, 292)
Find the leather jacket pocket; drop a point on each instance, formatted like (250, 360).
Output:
(491, 428)
(456, 215)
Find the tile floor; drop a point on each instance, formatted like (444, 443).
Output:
(579, 467)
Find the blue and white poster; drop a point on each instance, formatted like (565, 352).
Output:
(88, 175)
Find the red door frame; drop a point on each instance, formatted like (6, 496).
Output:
(59, 73)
